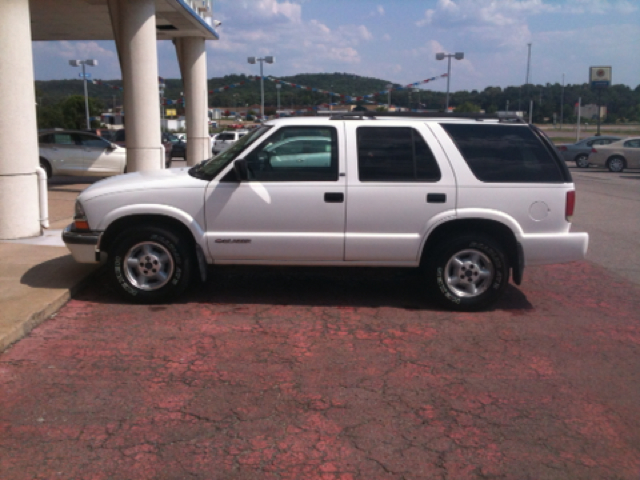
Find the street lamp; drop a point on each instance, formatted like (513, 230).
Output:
(389, 86)
(441, 56)
(252, 60)
(91, 63)
(161, 87)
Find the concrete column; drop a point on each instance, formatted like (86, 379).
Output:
(19, 210)
(192, 56)
(135, 29)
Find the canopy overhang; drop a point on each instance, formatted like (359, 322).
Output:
(90, 20)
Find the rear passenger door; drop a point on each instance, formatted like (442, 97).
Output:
(399, 184)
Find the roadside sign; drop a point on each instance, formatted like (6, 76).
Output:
(600, 77)
(171, 112)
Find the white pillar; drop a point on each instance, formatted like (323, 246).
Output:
(193, 65)
(135, 29)
(19, 212)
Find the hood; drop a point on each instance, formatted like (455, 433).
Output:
(171, 178)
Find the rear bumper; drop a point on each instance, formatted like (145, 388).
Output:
(84, 246)
(554, 248)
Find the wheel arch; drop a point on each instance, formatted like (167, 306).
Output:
(155, 220)
(47, 166)
(500, 232)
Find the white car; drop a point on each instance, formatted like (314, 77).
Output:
(72, 152)
(618, 155)
(470, 203)
(225, 139)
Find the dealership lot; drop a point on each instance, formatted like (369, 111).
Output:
(328, 373)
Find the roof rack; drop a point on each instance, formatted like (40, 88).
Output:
(473, 116)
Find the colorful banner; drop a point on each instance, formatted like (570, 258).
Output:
(344, 98)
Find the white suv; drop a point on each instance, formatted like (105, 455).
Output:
(469, 201)
(225, 139)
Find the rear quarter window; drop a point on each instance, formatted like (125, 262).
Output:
(505, 153)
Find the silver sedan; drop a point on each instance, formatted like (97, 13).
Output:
(618, 155)
(579, 152)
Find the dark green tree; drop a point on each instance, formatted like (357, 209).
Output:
(468, 107)
(74, 115)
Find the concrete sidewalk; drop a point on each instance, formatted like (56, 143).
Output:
(38, 275)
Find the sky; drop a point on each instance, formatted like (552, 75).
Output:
(397, 40)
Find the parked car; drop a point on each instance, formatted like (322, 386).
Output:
(225, 139)
(75, 152)
(467, 203)
(107, 134)
(617, 155)
(579, 152)
(121, 139)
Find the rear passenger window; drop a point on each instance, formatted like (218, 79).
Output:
(395, 154)
(504, 153)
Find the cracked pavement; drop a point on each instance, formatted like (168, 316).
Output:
(274, 373)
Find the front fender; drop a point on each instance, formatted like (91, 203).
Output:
(183, 217)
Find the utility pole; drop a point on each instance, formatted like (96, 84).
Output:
(562, 103)
(527, 79)
(528, 64)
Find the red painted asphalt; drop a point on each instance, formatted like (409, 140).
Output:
(330, 374)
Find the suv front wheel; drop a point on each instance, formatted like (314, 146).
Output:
(467, 273)
(149, 264)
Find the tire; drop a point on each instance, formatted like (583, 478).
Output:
(150, 265)
(467, 273)
(582, 160)
(44, 163)
(616, 164)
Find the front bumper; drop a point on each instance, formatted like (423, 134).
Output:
(554, 248)
(84, 246)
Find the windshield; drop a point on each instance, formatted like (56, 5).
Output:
(210, 168)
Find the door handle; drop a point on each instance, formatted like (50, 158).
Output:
(436, 197)
(334, 197)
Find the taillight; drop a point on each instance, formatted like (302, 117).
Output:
(570, 205)
(562, 148)
(593, 150)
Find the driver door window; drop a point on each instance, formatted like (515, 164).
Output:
(296, 154)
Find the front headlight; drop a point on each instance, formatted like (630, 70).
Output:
(80, 221)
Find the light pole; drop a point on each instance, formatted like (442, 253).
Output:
(417, 90)
(161, 87)
(441, 56)
(253, 60)
(91, 63)
(389, 86)
(562, 103)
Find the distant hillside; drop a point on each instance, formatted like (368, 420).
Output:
(622, 102)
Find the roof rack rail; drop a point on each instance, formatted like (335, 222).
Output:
(502, 117)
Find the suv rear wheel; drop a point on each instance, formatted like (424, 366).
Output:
(149, 264)
(467, 273)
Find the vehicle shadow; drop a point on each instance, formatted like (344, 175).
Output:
(308, 286)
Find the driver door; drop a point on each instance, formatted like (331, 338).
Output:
(289, 209)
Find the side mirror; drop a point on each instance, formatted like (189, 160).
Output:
(112, 146)
(241, 169)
